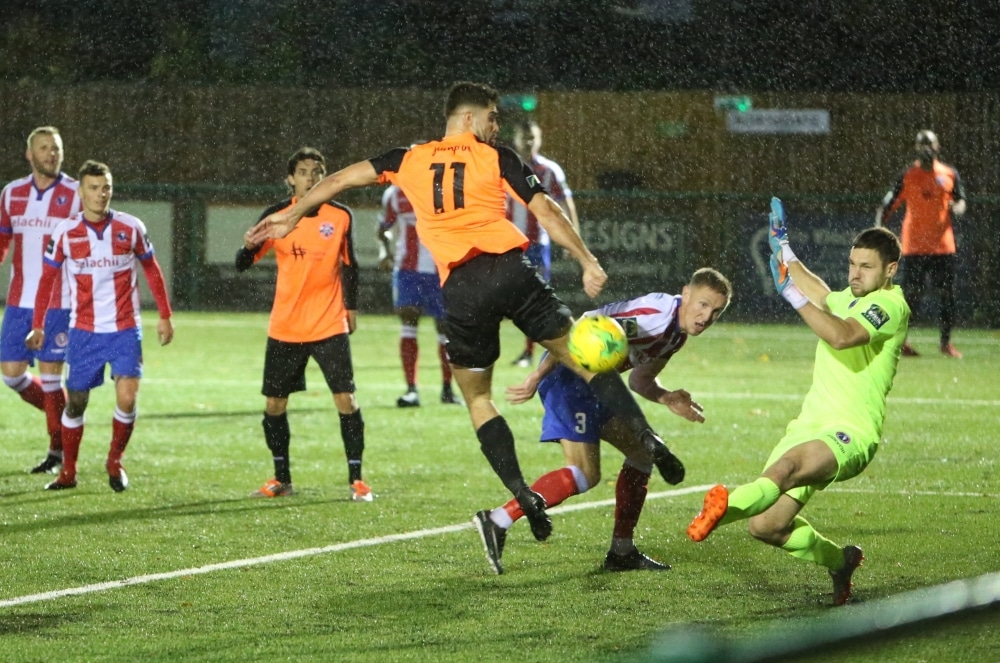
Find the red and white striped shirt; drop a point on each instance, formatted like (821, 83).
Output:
(29, 217)
(100, 264)
(551, 176)
(650, 323)
(411, 255)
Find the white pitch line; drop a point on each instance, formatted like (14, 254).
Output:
(307, 552)
(380, 540)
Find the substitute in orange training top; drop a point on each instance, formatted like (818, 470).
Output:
(933, 194)
(457, 186)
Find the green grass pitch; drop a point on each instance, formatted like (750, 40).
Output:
(316, 577)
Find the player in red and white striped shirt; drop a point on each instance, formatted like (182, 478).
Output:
(657, 326)
(30, 209)
(527, 143)
(416, 289)
(100, 248)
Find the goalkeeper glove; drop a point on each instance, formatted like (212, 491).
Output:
(778, 236)
(785, 285)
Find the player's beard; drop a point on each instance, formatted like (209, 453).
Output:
(43, 168)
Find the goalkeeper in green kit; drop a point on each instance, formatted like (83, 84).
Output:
(861, 330)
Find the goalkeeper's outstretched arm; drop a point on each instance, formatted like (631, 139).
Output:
(840, 333)
(811, 285)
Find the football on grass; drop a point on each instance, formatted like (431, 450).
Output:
(598, 343)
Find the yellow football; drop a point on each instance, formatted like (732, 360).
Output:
(598, 343)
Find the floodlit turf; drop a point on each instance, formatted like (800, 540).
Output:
(924, 512)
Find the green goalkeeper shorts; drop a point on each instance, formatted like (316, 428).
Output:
(853, 452)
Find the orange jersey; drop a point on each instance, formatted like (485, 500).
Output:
(928, 195)
(309, 299)
(458, 186)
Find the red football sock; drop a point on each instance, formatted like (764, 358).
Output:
(55, 403)
(630, 496)
(33, 393)
(121, 432)
(529, 346)
(408, 353)
(72, 435)
(556, 487)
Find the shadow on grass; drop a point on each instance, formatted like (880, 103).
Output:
(201, 508)
(30, 623)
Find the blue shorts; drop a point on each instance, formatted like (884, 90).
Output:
(540, 257)
(572, 411)
(89, 352)
(419, 290)
(17, 326)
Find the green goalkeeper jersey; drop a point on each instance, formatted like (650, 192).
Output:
(850, 386)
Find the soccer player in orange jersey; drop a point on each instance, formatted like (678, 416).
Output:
(933, 194)
(457, 186)
(314, 311)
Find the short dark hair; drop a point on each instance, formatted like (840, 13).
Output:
(882, 241)
(712, 278)
(465, 93)
(95, 168)
(305, 154)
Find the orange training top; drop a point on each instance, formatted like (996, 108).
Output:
(927, 226)
(309, 299)
(457, 187)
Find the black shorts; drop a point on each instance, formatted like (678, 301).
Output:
(916, 270)
(285, 365)
(480, 293)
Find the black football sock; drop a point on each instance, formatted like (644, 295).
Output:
(278, 437)
(611, 391)
(352, 429)
(497, 443)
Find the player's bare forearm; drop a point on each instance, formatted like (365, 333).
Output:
(279, 224)
(840, 333)
(811, 285)
(643, 380)
(559, 227)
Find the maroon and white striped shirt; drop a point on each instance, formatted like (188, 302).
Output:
(30, 216)
(650, 323)
(410, 254)
(101, 266)
(553, 179)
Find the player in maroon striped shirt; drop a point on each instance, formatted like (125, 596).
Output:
(100, 248)
(30, 209)
(657, 326)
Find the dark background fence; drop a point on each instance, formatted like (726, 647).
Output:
(663, 186)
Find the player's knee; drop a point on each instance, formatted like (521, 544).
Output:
(586, 477)
(346, 402)
(17, 382)
(275, 407)
(76, 403)
(763, 531)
